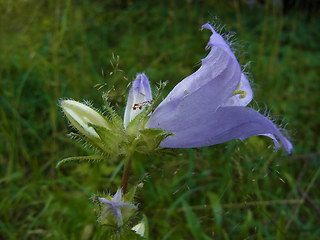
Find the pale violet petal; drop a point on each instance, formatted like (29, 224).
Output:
(275, 141)
(105, 201)
(244, 97)
(140, 95)
(117, 212)
(216, 39)
(225, 124)
(203, 91)
(117, 197)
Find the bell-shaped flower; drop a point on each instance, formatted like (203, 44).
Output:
(209, 106)
(206, 108)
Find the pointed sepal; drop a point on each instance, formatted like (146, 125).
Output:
(80, 158)
(150, 138)
(111, 139)
(115, 118)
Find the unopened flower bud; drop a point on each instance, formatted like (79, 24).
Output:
(80, 115)
(139, 96)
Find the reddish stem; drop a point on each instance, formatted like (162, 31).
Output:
(125, 176)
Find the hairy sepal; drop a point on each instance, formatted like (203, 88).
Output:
(137, 123)
(150, 138)
(115, 118)
(80, 158)
(112, 140)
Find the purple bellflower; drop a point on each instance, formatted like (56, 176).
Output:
(206, 108)
(115, 205)
(209, 106)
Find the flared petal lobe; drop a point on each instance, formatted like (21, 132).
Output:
(118, 196)
(203, 91)
(216, 39)
(225, 124)
(139, 96)
(80, 115)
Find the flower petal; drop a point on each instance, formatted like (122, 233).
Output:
(139, 96)
(117, 212)
(242, 96)
(203, 91)
(275, 141)
(216, 39)
(225, 124)
(105, 201)
(118, 196)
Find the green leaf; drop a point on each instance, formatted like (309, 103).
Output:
(193, 221)
(216, 208)
(281, 227)
(245, 228)
(80, 158)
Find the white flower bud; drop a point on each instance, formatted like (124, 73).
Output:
(80, 115)
(139, 229)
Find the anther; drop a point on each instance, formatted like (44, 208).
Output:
(140, 105)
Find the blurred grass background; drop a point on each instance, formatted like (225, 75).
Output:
(55, 49)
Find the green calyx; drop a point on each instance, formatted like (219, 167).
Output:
(107, 217)
(107, 135)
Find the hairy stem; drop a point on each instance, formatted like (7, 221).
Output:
(125, 175)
